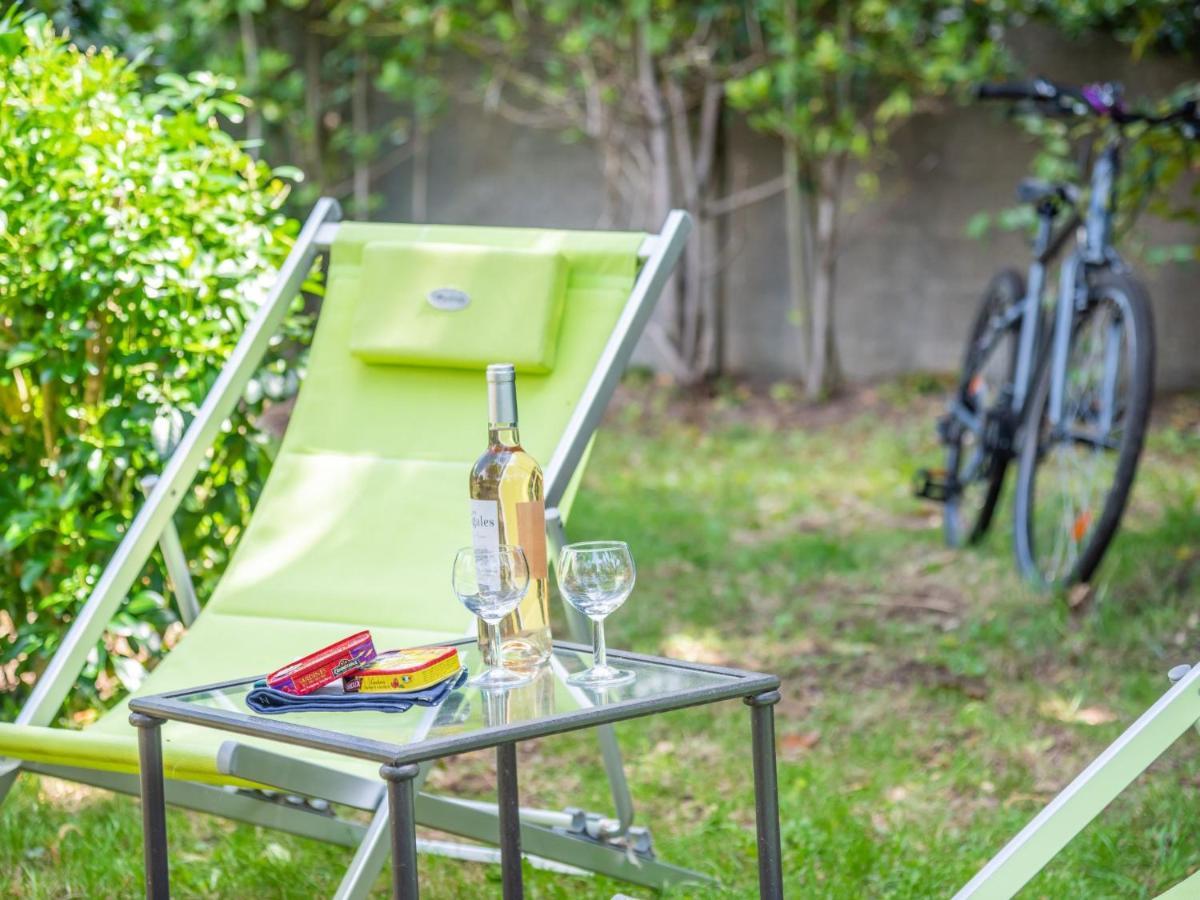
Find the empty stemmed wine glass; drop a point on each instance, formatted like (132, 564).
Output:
(490, 583)
(596, 577)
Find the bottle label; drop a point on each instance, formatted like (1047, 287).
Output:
(485, 536)
(531, 529)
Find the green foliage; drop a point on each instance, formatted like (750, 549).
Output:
(841, 77)
(136, 237)
(1159, 165)
(1164, 25)
(339, 87)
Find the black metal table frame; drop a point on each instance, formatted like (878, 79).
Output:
(400, 764)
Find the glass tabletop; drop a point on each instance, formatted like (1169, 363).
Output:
(470, 718)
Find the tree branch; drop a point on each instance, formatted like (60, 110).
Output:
(764, 190)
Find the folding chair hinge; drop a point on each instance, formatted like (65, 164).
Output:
(603, 830)
(1177, 672)
(295, 801)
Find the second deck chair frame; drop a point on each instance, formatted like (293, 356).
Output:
(564, 840)
(1176, 712)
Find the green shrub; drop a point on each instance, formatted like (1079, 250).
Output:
(136, 237)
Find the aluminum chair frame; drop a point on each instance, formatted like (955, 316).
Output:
(565, 840)
(1148, 738)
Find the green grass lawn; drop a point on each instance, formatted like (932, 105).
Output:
(932, 704)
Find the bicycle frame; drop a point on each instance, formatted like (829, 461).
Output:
(1094, 249)
(1034, 351)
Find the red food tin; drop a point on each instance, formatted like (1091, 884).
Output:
(325, 666)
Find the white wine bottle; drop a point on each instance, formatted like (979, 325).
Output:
(508, 507)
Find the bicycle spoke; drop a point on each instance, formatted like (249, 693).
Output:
(1077, 461)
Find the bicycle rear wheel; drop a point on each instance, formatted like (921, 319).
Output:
(1074, 479)
(973, 432)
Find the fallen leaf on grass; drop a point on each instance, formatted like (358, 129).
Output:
(702, 649)
(851, 648)
(1080, 596)
(277, 853)
(797, 743)
(1074, 714)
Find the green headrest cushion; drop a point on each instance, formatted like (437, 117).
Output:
(458, 305)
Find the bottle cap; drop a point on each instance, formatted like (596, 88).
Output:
(502, 394)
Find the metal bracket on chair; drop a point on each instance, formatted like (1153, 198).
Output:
(555, 843)
(605, 830)
(297, 776)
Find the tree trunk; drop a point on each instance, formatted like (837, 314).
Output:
(420, 173)
(253, 81)
(672, 308)
(795, 238)
(795, 234)
(312, 107)
(361, 127)
(824, 376)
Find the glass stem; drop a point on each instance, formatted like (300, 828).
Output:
(599, 651)
(497, 660)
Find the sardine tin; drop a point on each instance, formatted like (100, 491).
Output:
(324, 666)
(399, 671)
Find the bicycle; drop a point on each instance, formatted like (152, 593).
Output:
(1066, 389)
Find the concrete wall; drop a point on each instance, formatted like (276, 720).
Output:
(909, 277)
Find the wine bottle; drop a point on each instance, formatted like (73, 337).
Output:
(507, 507)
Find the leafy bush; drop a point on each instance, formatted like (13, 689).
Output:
(136, 237)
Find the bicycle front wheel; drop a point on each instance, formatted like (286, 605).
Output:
(1075, 476)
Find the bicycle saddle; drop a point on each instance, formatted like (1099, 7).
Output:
(1036, 191)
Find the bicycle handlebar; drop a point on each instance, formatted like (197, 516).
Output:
(1102, 99)
(1014, 90)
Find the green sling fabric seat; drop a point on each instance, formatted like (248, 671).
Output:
(367, 500)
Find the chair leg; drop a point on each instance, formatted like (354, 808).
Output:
(1084, 798)
(9, 770)
(374, 849)
(610, 750)
(466, 820)
(369, 858)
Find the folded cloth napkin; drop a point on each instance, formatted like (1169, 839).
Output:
(268, 701)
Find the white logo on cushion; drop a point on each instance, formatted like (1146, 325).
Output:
(448, 299)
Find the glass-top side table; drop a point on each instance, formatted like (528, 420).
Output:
(468, 719)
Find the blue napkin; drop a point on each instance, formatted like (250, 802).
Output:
(268, 701)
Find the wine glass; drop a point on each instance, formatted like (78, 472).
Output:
(596, 577)
(490, 583)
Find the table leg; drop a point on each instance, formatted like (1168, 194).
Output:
(508, 803)
(766, 794)
(404, 829)
(154, 805)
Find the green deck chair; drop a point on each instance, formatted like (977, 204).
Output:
(1174, 713)
(363, 508)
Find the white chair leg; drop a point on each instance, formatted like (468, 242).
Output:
(1084, 798)
(369, 858)
(9, 770)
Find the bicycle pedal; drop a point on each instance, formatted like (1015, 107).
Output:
(934, 484)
